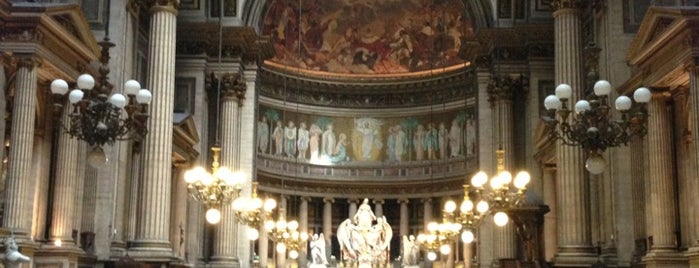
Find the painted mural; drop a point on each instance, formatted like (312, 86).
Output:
(367, 36)
(335, 140)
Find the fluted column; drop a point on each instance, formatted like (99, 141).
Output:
(574, 238)
(378, 207)
(694, 117)
(327, 224)
(225, 244)
(427, 213)
(403, 224)
(303, 227)
(549, 190)
(152, 232)
(662, 198)
(19, 193)
(62, 219)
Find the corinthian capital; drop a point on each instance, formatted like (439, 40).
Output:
(233, 87)
(566, 4)
(163, 5)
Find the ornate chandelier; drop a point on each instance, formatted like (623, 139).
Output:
(469, 215)
(253, 212)
(591, 127)
(98, 118)
(439, 238)
(286, 235)
(213, 189)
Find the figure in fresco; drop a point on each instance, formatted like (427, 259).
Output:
(431, 141)
(419, 143)
(262, 135)
(470, 136)
(278, 135)
(365, 126)
(314, 141)
(290, 139)
(443, 135)
(302, 140)
(391, 144)
(340, 152)
(455, 138)
(328, 143)
(401, 143)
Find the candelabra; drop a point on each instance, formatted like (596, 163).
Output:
(440, 238)
(469, 215)
(98, 118)
(253, 212)
(213, 189)
(592, 128)
(286, 235)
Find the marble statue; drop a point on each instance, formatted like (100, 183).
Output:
(362, 242)
(318, 259)
(12, 255)
(411, 250)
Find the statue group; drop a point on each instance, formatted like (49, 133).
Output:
(364, 239)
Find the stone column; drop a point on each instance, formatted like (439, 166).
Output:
(468, 255)
(281, 256)
(550, 238)
(303, 227)
(246, 153)
(378, 207)
(403, 224)
(693, 252)
(19, 190)
(225, 241)
(178, 222)
(427, 213)
(352, 207)
(65, 183)
(327, 225)
(663, 251)
(263, 246)
(574, 238)
(152, 233)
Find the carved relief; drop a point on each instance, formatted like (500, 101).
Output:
(21, 35)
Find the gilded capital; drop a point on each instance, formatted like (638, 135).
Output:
(566, 4)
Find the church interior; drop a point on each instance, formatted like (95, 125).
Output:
(349, 133)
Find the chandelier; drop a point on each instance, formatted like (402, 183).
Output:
(253, 212)
(213, 189)
(97, 117)
(469, 215)
(591, 127)
(287, 235)
(439, 238)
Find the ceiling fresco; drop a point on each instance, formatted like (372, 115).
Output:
(366, 37)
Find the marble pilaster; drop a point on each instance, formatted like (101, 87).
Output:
(19, 192)
(152, 233)
(574, 230)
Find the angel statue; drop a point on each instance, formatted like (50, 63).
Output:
(318, 259)
(362, 242)
(12, 255)
(411, 250)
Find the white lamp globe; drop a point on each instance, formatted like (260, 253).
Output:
(564, 91)
(86, 82)
(431, 256)
(131, 87)
(602, 88)
(75, 96)
(293, 225)
(622, 103)
(269, 225)
(270, 204)
(213, 216)
(118, 100)
(281, 225)
(482, 207)
(505, 177)
(192, 175)
(479, 179)
(432, 226)
(207, 179)
(96, 157)
(522, 179)
(293, 254)
(445, 249)
(450, 206)
(582, 106)
(496, 183)
(253, 234)
(144, 96)
(59, 86)
(642, 95)
(256, 203)
(281, 248)
(467, 236)
(552, 102)
(466, 206)
(595, 164)
(501, 218)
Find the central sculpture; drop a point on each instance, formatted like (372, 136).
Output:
(365, 239)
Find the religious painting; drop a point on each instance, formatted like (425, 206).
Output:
(334, 140)
(367, 37)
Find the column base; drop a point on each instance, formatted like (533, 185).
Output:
(575, 259)
(227, 262)
(150, 251)
(693, 256)
(665, 259)
(68, 255)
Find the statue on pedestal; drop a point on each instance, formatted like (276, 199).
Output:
(361, 241)
(411, 251)
(318, 259)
